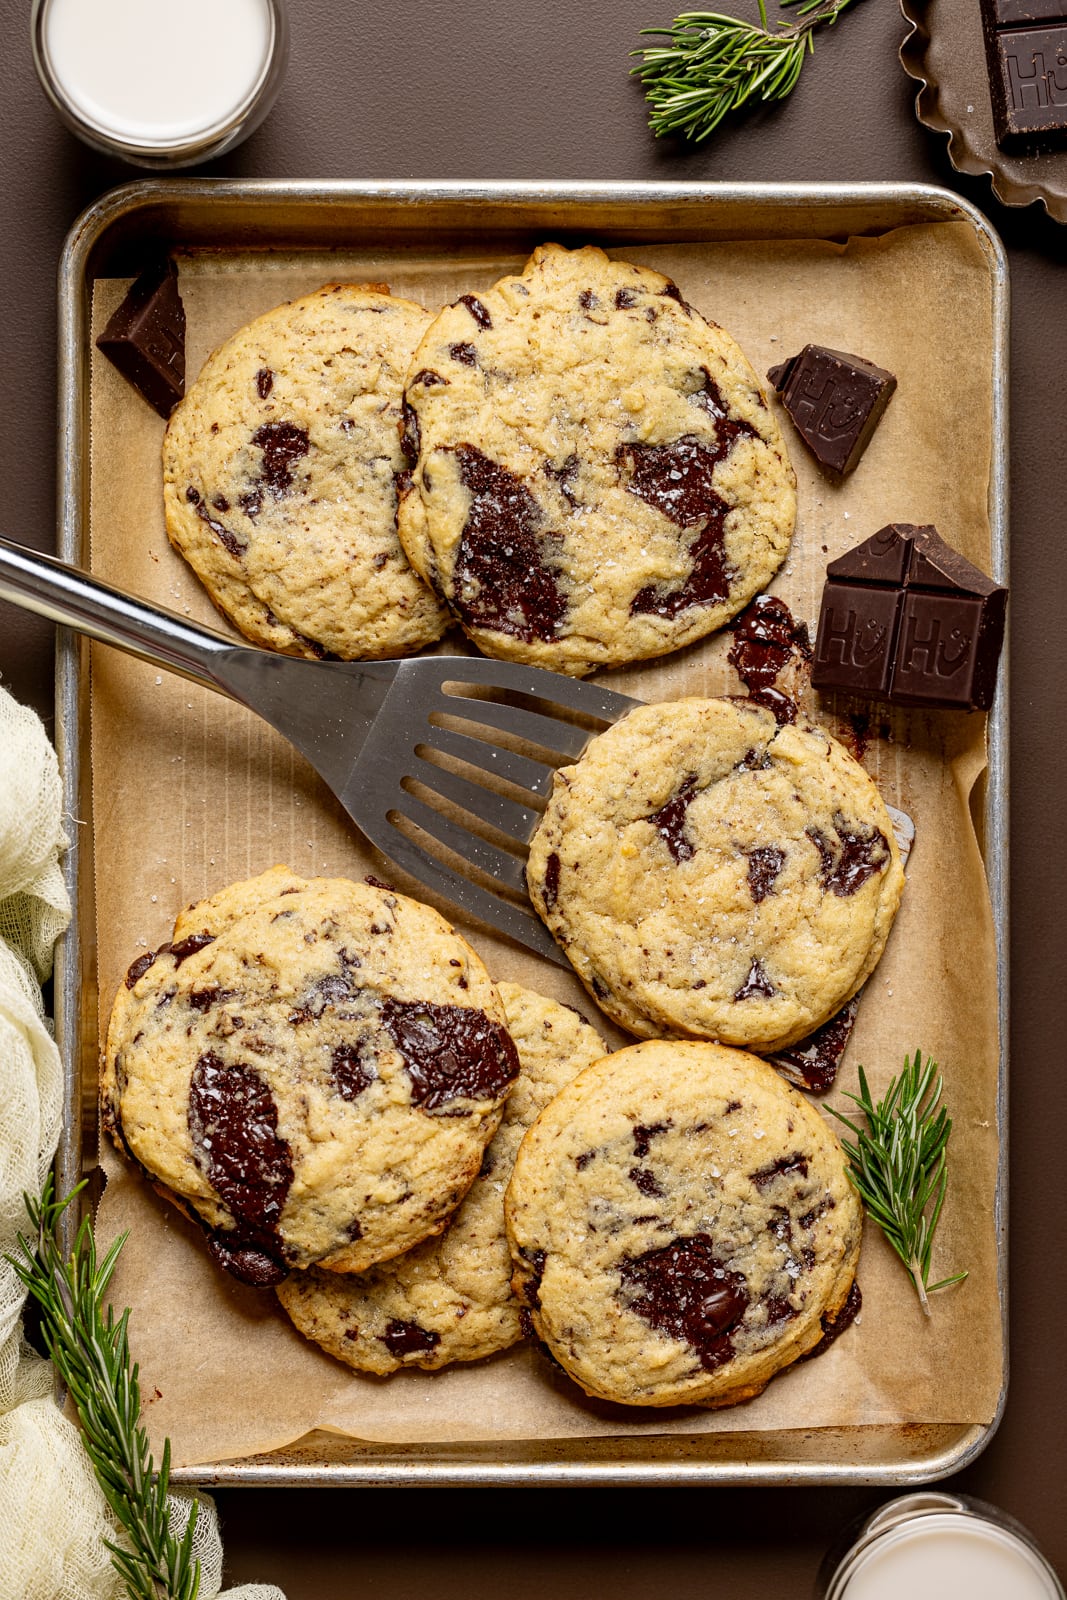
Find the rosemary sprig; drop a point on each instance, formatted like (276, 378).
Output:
(898, 1165)
(714, 64)
(92, 1356)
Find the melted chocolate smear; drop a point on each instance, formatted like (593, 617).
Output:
(549, 889)
(233, 1123)
(429, 379)
(766, 638)
(847, 861)
(860, 728)
(815, 1060)
(565, 476)
(476, 309)
(686, 1291)
(757, 983)
(188, 947)
(350, 1070)
(646, 1182)
(410, 437)
(264, 382)
(464, 353)
(834, 1327)
(408, 1339)
(138, 968)
(672, 292)
(643, 1137)
(709, 398)
(819, 1209)
(796, 1163)
(450, 1052)
(226, 536)
(676, 479)
(245, 1262)
(535, 1260)
(282, 443)
(669, 821)
(500, 580)
(333, 989)
(764, 865)
(203, 999)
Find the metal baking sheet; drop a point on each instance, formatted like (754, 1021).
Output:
(114, 238)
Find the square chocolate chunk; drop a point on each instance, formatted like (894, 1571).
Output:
(854, 646)
(906, 618)
(835, 401)
(145, 339)
(1026, 58)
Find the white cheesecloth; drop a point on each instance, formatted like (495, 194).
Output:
(53, 1515)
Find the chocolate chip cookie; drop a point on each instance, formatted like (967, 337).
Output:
(682, 1226)
(713, 875)
(450, 1298)
(595, 476)
(312, 1069)
(278, 478)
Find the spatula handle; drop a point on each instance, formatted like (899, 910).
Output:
(68, 596)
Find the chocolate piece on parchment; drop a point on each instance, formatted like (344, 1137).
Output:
(145, 339)
(835, 401)
(906, 618)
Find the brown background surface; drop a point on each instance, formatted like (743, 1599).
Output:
(509, 89)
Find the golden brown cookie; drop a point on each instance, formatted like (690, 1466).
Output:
(595, 475)
(449, 1299)
(682, 1226)
(713, 875)
(278, 478)
(311, 1067)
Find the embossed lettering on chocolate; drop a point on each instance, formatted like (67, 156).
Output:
(906, 618)
(835, 401)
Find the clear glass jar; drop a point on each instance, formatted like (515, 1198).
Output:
(161, 83)
(933, 1546)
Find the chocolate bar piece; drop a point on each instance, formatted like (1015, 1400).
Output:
(145, 338)
(906, 618)
(1026, 57)
(835, 401)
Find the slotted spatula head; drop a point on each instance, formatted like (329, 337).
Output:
(454, 773)
(443, 762)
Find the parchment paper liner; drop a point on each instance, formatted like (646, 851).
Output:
(191, 792)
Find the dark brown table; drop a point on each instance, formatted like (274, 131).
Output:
(518, 90)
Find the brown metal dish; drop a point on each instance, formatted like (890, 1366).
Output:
(945, 55)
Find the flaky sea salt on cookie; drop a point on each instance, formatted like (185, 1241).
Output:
(595, 476)
(713, 875)
(682, 1226)
(450, 1298)
(279, 470)
(312, 1068)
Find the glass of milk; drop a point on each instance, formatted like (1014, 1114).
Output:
(933, 1546)
(161, 83)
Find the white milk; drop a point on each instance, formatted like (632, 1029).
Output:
(948, 1557)
(156, 71)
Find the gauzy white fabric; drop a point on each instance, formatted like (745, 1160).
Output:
(53, 1516)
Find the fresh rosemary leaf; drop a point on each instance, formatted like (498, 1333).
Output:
(898, 1165)
(713, 64)
(91, 1353)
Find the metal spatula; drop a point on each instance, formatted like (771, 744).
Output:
(370, 729)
